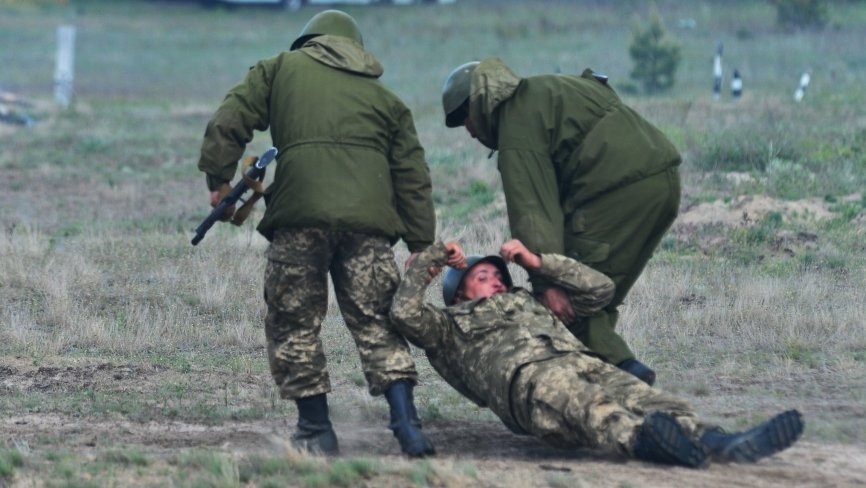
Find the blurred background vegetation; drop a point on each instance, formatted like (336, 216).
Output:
(99, 200)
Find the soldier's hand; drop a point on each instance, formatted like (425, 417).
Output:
(456, 258)
(217, 196)
(556, 300)
(515, 251)
(409, 260)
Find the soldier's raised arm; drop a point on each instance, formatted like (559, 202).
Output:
(588, 289)
(421, 323)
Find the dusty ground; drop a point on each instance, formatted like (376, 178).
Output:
(499, 458)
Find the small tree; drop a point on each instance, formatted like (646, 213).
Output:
(656, 56)
(801, 14)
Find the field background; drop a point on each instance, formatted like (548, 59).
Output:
(128, 357)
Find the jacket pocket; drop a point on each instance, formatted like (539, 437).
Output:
(586, 251)
(474, 325)
(386, 275)
(578, 246)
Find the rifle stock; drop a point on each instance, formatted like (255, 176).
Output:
(256, 171)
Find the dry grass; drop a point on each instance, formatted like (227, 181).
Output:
(98, 204)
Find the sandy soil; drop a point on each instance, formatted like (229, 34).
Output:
(499, 457)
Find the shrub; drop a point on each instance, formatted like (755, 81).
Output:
(656, 56)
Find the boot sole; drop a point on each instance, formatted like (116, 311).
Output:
(670, 439)
(775, 435)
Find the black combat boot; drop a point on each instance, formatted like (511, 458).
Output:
(661, 439)
(774, 435)
(638, 369)
(404, 420)
(315, 433)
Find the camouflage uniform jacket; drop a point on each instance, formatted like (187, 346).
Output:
(349, 157)
(478, 346)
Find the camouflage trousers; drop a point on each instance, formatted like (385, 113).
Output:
(578, 400)
(365, 278)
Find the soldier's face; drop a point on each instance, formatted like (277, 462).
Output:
(483, 280)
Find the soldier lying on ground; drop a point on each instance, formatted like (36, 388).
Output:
(503, 349)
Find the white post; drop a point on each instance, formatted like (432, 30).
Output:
(801, 89)
(717, 73)
(65, 68)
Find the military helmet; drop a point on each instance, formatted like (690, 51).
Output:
(455, 93)
(453, 276)
(329, 22)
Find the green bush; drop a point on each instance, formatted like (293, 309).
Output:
(656, 56)
(800, 14)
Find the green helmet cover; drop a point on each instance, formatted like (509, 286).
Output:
(329, 22)
(454, 277)
(455, 93)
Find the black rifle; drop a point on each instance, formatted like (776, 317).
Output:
(255, 172)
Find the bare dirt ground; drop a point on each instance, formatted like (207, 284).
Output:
(499, 458)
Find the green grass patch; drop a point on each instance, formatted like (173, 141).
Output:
(126, 457)
(10, 459)
(807, 355)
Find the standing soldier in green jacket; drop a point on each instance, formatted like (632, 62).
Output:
(351, 180)
(583, 174)
(503, 349)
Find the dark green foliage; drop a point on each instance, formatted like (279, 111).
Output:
(801, 14)
(9, 460)
(656, 56)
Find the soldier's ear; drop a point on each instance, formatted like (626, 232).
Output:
(458, 296)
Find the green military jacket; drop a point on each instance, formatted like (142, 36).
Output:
(478, 346)
(349, 157)
(563, 140)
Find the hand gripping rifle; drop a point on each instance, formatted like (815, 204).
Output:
(251, 179)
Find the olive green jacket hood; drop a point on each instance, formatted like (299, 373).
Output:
(344, 54)
(492, 83)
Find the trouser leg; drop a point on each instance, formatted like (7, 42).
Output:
(598, 333)
(365, 279)
(581, 401)
(617, 234)
(296, 295)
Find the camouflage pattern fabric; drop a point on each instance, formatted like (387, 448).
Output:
(578, 400)
(509, 353)
(478, 346)
(365, 278)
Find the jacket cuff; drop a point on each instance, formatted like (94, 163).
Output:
(417, 246)
(540, 281)
(214, 182)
